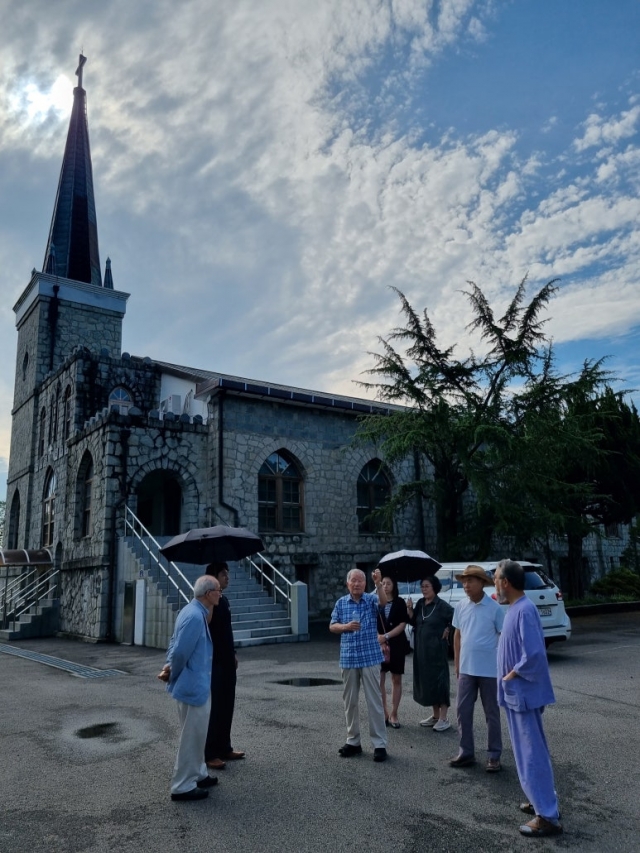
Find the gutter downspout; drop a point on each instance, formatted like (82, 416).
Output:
(221, 499)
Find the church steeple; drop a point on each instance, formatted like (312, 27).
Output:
(72, 247)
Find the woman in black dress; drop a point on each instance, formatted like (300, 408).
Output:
(392, 621)
(431, 620)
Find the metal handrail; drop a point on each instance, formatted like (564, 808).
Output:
(133, 523)
(23, 597)
(37, 598)
(264, 578)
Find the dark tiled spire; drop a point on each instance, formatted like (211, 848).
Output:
(72, 248)
(108, 277)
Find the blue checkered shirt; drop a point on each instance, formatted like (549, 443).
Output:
(358, 648)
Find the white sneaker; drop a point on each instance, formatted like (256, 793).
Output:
(429, 722)
(442, 726)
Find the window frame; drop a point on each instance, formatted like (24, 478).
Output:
(86, 497)
(277, 483)
(121, 397)
(66, 413)
(367, 523)
(49, 509)
(43, 432)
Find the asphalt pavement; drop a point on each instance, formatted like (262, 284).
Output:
(85, 761)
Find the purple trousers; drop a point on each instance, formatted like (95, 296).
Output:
(533, 761)
(468, 688)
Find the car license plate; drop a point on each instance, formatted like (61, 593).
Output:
(544, 611)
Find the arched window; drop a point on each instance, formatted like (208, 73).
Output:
(85, 495)
(55, 411)
(374, 490)
(14, 522)
(43, 431)
(66, 413)
(48, 510)
(280, 495)
(121, 399)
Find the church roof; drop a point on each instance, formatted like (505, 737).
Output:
(209, 381)
(72, 247)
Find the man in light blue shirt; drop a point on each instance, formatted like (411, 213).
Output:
(188, 676)
(478, 622)
(355, 618)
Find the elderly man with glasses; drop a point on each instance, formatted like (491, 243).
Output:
(188, 676)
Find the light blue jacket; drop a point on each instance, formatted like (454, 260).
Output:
(189, 655)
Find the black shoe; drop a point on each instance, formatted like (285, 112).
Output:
(193, 794)
(348, 750)
(208, 782)
(380, 754)
(462, 761)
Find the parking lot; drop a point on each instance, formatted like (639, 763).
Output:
(85, 762)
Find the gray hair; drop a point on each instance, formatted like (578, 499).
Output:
(203, 585)
(512, 572)
(355, 572)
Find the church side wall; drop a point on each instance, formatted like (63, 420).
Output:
(321, 441)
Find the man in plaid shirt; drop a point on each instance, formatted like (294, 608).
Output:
(355, 618)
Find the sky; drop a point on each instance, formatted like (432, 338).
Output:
(266, 171)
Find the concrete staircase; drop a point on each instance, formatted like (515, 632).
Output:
(40, 623)
(255, 618)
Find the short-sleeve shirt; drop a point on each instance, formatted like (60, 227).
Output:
(358, 649)
(480, 626)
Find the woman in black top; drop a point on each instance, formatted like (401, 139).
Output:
(431, 619)
(392, 620)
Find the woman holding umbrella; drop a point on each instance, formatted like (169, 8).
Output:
(392, 621)
(431, 622)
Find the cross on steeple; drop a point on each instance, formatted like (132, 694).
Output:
(72, 247)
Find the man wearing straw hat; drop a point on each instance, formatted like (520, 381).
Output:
(477, 621)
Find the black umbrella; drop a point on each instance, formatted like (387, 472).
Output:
(408, 565)
(217, 544)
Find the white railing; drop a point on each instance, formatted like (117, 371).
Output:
(172, 573)
(24, 593)
(270, 579)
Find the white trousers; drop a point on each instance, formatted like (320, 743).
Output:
(369, 677)
(190, 768)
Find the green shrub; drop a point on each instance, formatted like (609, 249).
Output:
(618, 582)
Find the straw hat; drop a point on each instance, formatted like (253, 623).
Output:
(475, 572)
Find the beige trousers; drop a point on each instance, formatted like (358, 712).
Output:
(369, 678)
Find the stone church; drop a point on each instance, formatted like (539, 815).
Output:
(105, 443)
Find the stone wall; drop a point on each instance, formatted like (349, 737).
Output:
(84, 603)
(321, 441)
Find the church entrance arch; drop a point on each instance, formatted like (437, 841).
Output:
(160, 503)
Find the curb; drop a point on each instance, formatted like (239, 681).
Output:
(606, 607)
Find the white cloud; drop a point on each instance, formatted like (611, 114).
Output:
(600, 131)
(257, 199)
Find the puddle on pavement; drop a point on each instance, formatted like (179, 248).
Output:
(103, 730)
(307, 682)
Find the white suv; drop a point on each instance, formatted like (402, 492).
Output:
(538, 587)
